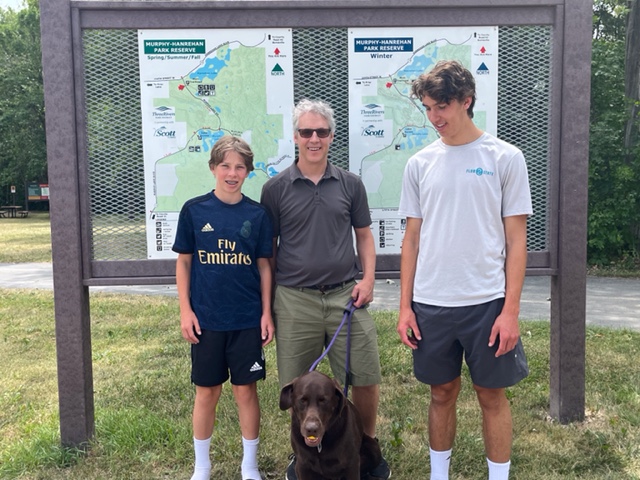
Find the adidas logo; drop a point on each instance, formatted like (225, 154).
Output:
(207, 228)
(256, 366)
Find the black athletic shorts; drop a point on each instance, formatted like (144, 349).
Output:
(448, 333)
(238, 352)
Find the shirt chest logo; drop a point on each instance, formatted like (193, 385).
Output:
(479, 172)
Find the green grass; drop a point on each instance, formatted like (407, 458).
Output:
(627, 268)
(25, 239)
(143, 402)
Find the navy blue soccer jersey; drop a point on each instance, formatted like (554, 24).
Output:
(226, 241)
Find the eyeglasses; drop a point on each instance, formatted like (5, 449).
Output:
(308, 132)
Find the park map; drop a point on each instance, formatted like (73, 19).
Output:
(198, 85)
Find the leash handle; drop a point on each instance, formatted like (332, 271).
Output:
(346, 318)
(347, 364)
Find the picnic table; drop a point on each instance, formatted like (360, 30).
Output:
(12, 210)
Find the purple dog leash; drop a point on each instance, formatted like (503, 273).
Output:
(346, 318)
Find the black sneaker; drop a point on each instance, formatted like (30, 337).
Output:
(381, 472)
(290, 474)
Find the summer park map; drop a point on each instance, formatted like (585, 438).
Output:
(198, 85)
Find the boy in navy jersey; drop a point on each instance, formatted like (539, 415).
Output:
(224, 241)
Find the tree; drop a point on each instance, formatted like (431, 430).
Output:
(632, 92)
(609, 19)
(632, 59)
(632, 75)
(614, 160)
(22, 129)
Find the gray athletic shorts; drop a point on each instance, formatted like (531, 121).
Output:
(448, 333)
(306, 320)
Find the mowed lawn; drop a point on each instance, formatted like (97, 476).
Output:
(25, 239)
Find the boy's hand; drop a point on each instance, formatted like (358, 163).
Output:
(190, 327)
(408, 328)
(268, 329)
(506, 332)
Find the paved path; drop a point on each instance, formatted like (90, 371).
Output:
(612, 302)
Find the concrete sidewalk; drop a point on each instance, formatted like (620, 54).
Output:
(611, 302)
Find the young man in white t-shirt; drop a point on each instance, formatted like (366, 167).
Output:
(466, 199)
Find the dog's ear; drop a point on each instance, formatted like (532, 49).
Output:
(340, 398)
(286, 394)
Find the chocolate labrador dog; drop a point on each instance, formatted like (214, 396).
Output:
(326, 430)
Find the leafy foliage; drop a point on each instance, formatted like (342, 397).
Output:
(614, 173)
(609, 19)
(22, 129)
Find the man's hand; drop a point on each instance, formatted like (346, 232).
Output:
(362, 293)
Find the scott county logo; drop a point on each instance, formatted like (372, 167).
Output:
(164, 132)
(372, 131)
(277, 71)
(479, 171)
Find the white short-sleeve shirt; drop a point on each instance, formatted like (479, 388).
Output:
(462, 193)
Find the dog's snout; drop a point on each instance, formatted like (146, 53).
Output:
(311, 426)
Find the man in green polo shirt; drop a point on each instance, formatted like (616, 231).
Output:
(316, 209)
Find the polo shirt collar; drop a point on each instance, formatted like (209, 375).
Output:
(330, 172)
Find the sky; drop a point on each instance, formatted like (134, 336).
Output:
(15, 4)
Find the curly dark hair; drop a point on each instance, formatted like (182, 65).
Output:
(448, 80)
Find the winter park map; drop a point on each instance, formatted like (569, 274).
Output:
(387, 126)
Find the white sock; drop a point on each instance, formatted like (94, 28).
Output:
(498, 471)
(440, 464)
(202, 470)
(250, 459)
